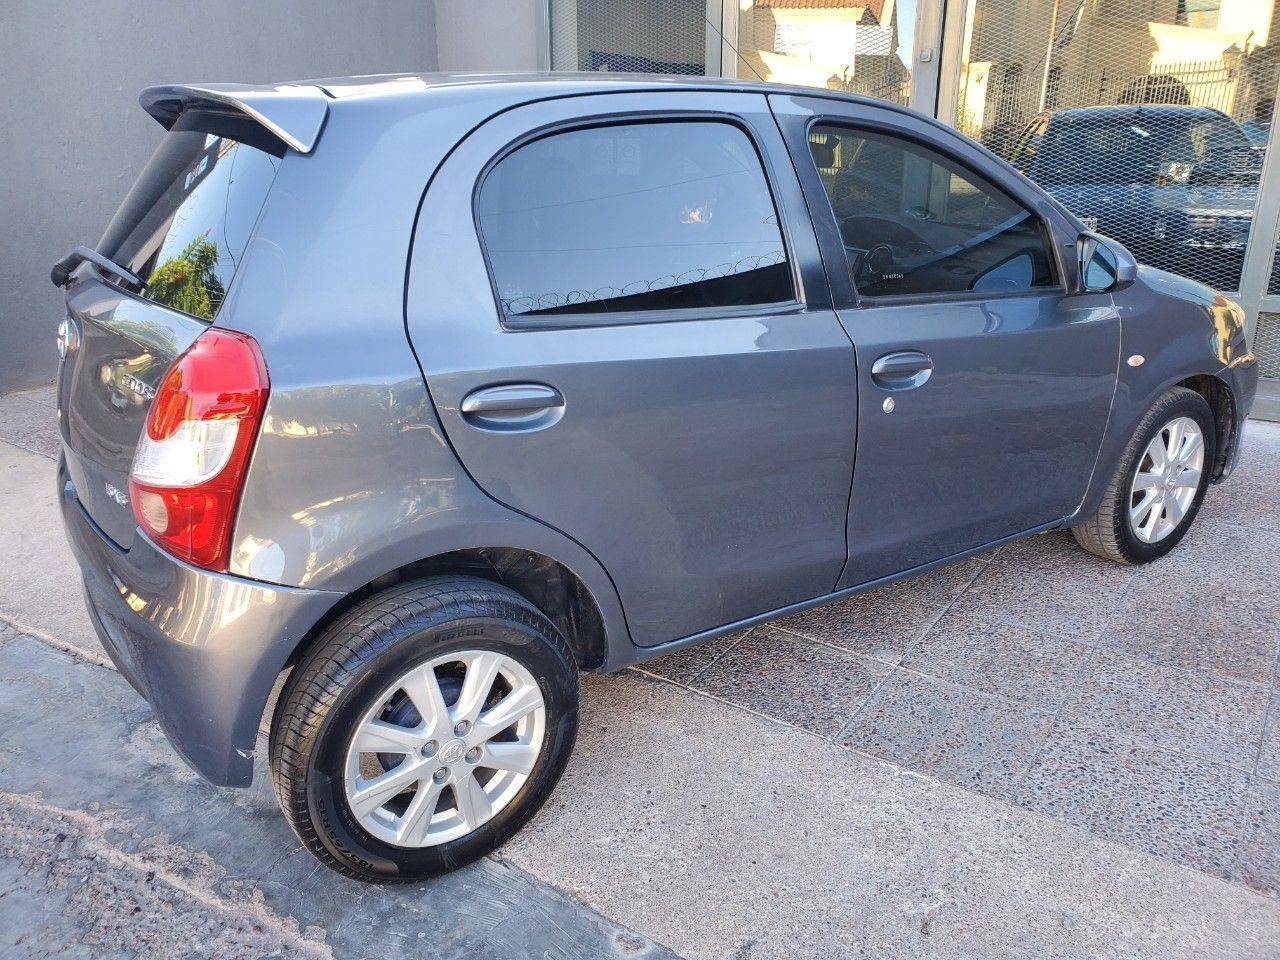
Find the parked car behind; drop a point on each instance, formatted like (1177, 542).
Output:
(429, 393)
(1176, 184)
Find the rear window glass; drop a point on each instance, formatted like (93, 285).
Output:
(633, 217)
(186, 222)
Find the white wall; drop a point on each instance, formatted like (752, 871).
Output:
(487, 34)
(72, 136)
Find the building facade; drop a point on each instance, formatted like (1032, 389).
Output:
(1130, 91)
(1149, 118)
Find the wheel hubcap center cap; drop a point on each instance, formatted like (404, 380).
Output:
(452, 751)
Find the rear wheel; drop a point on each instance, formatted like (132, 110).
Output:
(1158, 485)
(426, 727)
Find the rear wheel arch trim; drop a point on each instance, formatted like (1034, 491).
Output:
(499, 562)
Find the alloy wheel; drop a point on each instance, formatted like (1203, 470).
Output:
(1165, 483)
(445, 748)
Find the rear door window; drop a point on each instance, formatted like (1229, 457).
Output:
(633, 219)
(185, 224)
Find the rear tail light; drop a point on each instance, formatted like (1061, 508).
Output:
(192, 458)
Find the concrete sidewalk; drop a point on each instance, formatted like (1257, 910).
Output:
(692, 820)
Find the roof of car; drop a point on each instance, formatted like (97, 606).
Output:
(295, 111)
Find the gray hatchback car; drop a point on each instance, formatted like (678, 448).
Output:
(430, 392)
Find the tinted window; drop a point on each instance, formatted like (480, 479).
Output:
(914, 222)
(186, 222)
(654, 216)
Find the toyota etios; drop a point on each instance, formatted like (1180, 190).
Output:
(430, 392)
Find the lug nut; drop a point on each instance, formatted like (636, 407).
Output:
(441, 775)
(429, 749)
(460, 728)
(473, 755)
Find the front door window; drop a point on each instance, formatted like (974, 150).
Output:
(914, 222)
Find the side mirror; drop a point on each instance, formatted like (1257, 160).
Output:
(1104, 264)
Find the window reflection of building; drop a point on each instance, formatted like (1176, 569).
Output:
(1073, 53)
(838, 44)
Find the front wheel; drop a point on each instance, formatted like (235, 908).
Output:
(1158, 485)
(425, 728)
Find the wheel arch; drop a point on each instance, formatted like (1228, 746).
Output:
(1217, 394)
(551, 586)
(1134, 397)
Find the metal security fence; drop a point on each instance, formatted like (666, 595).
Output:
(630, 36)
(1146, 118)
(1266, 344)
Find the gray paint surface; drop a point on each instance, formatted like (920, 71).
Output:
(1004, 434)
(355, 473)
(74, 138)
(739, 509)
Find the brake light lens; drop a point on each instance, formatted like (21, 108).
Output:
(193, 455)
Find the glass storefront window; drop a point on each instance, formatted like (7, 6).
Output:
(629, 36)
(1148, 119)
(862, 47)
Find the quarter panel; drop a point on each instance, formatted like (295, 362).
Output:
(352, 476)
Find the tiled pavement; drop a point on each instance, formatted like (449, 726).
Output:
(28, 420)
(1141, 704)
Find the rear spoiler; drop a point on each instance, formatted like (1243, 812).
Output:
(294, 112)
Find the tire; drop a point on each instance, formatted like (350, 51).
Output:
(1110, 533)
(346, 694)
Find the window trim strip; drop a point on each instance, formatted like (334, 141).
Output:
(586, 319)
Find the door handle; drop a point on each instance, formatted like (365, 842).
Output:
(903, 370)
(512, 407)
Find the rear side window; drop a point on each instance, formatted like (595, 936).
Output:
(186, 222)
(673, 215)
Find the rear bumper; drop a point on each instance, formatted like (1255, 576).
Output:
(204, 649)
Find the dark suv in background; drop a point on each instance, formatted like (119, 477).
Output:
(430, 392)
(1176, 184)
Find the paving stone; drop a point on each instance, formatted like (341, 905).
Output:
(1250, 496)
(1258, 865)
(884, 623)
(1181, 629)
(1000, 658)
(1168, 804)
(29, 425)
(948, 731)
(1269, 757)
(805, 684)
(685, 665)
(1048, 583)
(1176, 709)
(887, 622)
(137, 826)
(1225, 565)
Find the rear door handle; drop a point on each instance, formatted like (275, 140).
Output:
(903, 370)
(512, 407)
